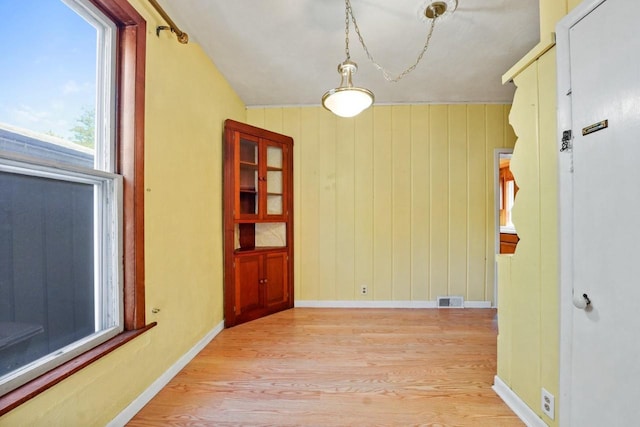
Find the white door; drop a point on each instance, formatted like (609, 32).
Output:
(604, 220)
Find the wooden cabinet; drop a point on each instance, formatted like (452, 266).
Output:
(508, 243)
(258, 222)
(261, 285)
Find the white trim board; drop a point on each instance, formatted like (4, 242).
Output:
(145, 397)
(530, 418)
(383, 304)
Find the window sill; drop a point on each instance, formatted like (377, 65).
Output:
(31, 389)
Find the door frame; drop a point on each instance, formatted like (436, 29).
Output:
(565, 194)
(496, 217)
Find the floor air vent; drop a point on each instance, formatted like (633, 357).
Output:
(450, 302)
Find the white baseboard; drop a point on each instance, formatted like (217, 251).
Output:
(382, 304)
(526, 414)
(130, 411)
(477, 304)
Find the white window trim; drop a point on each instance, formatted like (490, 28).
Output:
(108, 203)
(105, 82)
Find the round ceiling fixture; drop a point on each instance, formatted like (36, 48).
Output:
(437, 9)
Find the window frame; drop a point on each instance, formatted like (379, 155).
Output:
(129, 163)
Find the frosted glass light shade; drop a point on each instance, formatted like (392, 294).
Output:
(347, 101)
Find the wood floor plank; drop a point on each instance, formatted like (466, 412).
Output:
(341, 367)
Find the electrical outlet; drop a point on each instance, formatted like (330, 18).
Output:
(364, 290)
(548, 403)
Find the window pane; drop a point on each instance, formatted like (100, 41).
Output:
(47, 81)
(60, 227)
(47, 291)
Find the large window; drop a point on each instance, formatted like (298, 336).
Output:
(71, 232)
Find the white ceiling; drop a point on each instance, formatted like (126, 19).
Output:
(286, 52)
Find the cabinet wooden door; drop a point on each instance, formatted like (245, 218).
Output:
(275, 284)
(248, 276)
(261, 178)
(261, 285)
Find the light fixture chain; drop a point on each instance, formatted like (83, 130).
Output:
(346, 33)
(387, 75)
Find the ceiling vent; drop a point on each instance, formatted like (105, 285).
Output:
(451, 302)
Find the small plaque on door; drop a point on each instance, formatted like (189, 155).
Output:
(595, 127)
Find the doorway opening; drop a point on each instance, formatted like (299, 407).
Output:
(506, 190)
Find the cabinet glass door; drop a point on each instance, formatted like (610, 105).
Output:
(275, 190)
(248, 177)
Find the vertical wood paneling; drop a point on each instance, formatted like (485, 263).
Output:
(291, 126)
(503, 272)
(439, 190)
(401, 202)
(509, 135)
(273, 119)
(363, 203)
(399, 199)
(478, 232)
(255, 117)
(528, 347)
(345, 225)
(571, 4)
(497, 126)
(457, 200)
(382, 200)
(308, 168)
(327, 206)
(420, 202)
(549, 268)
(525, 263)
(551, 11)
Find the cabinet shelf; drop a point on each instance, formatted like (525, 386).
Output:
(259, 250)
(249, 165)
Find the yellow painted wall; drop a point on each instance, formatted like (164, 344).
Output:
(400, 198)
(551, 11)
(187, 101)
(528, 306)
(528, 310)
(528, 313)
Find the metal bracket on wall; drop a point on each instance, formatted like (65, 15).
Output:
(181, 35)
(567, 138)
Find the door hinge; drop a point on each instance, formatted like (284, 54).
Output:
(567, 140)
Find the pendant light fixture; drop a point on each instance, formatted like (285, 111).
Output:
(348, 100)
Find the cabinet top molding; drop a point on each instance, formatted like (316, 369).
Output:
(255, 131)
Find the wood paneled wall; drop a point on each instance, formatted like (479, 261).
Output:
(551, 11)
(399, 199)
(529, 333)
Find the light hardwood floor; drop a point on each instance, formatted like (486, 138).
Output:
(341, 367)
